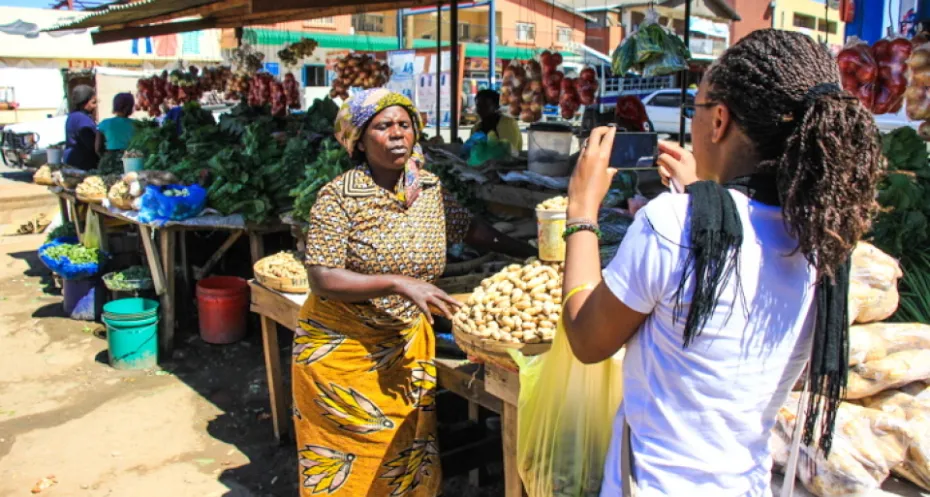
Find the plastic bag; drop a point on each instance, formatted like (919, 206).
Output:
(63, 266)
(875, 341)
(916, 467)
(873, 285)
(156, 206)
(488, 149)
(651, 50)
(86, 308)
(92, 230)
(858, 70)
(566, 412)
(918, 92)
(867, 444)
(892, 371)
(891, 55)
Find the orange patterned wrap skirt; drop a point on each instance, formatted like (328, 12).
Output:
(364, 406)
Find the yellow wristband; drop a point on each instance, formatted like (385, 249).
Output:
(575, 291)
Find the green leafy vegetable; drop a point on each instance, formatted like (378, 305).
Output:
(331, 161)
(902, 224)
(76, 253)
(65, 230)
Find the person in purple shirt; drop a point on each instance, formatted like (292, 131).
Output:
(81, 130)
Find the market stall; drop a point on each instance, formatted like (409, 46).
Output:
(162, 244)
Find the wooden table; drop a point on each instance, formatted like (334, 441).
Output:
(161, 253)
(496, 391)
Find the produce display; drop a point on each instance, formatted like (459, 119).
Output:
(916, 413)
(651, 50)
(179, 86)
(92, 188)
(873, 285)
(43, 176)
(552, 77)
(553, 204)
(243, 169)
(69, 178)
(918, 91)
(358, 71)
(120, 196)
(867, 445)
(283, 271)
(76, 253)
(66, 230)
(527, 86)
(520, 304)
(130, 279)
(176, 192)
(292, 54)
(877, 74)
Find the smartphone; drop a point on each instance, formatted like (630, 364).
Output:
(634, 150)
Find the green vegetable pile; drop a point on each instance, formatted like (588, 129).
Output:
(331, 161)
(132, 278)
(77, 254)
(65, 230)
(651, 51)
(902, 227)
(250, 160)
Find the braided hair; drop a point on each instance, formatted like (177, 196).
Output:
(822, 146)
(823, 152)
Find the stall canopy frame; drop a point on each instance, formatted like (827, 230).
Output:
(160, 17)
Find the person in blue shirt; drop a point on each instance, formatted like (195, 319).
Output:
(115, 133)
(81, 129)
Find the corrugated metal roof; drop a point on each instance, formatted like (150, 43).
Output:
(121, 13)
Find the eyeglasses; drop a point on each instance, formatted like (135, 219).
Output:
(690, 109)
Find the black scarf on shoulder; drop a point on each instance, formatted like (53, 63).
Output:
(713, 258)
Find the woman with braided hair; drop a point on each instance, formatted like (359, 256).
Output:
(723, 293)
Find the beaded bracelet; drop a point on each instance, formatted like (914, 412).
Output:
(579, 220)
(571, 230)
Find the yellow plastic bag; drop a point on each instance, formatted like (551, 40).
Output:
(566, 413)
(91, 238)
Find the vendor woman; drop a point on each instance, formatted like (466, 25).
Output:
(723, 293)
(493, 122)
(364, 380)
(114, 134)
(81, 129)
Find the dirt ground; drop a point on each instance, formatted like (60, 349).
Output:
(198, 426)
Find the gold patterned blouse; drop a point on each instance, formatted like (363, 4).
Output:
(359, 226)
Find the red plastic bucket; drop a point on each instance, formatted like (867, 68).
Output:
(223, 305)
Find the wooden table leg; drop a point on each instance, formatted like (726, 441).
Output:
(256, 246)
(476, 475)
(65, 212)
(168, 237)
(278, 396)
(513, 485)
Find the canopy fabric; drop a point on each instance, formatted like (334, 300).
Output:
(378, 43)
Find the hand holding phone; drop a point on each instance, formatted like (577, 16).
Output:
(634, 150)
(676, 166)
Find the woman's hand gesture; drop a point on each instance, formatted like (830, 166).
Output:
(427, 297)
(592, 177)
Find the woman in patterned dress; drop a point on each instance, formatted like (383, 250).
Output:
(364, 377)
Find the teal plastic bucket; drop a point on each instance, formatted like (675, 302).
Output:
(133, 344)
(132, 309)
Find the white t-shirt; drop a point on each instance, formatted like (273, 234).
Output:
(700, 417)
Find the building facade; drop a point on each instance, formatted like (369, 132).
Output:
(819, 19)
(754, 15)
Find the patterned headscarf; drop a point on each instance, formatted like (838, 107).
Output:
(358, 111)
